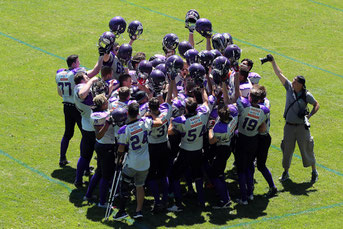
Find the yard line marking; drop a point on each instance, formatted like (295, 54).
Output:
(332, 7)
(317, 164)
(240, 40)
(284, 216)
(36, 171)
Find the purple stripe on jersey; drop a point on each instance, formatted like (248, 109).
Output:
(122, 129)
(233, 110)
(179, 88)
(201, 109)
(178, 103)
(88, 100)
(244, 86)
(122, 144)
(254, 75)
(220, 127)
(265, 109)
(180, 119)
(61, 70)
(245, 102)
(182, 96)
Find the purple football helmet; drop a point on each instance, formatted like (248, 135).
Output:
(219, 42)
(216, 77)
(117, 25)
(124, 53)
(228, 38)
(233, 53)
(191, 56)
(106, 39)
(197, 72)
(170, 41)
(157, 80)
(184, 46)
(135, 29)
(157, 61)
(205, 58)
(221, 67)
(162, 67)
(174, 64)
(191, 17)
(216, 53)
(119, 116)
(204, 27)
(145, 68)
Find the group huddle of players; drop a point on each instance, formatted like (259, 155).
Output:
(167, 118)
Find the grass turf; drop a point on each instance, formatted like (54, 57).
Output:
(307, 35)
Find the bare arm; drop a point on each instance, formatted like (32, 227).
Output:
(212, 140)
(225, 94)
(237, 91)
(131, 42)
(85, 89)
(208, 44)
(204, 97)
(262, 128)
(170, 91)
(96, 68)
(191, 38)
(101, 130)
(209, 82)
(278, 72)
(314, 110)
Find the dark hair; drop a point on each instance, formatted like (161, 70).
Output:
(191, 105)
(257, 93)
(138, 58)
(250, 63)
(105, 70)
(244, 73)
(123, 93)
(79, 76)
(224, 113)
(133, 110)
(71, 59)
(197, 95)
(122, 78)
(154, 104)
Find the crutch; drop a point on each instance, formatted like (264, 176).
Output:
(112, 193)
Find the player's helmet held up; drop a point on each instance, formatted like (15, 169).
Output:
(174, 64)
(215, 53)
(135, 29)
(205, 58)
(232, 52)
(145, 68)
(219, 42)
(170, 41)
(197, 72)
(204, 27)
(184, 46)
(157, 80)
(107, 38)
(117, 25)
(228, 38)
(124, 53)
(191, 56)
(221, 67)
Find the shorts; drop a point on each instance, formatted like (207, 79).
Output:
(139, 177)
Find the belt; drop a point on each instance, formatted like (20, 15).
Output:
(69, 104)
(294, 124)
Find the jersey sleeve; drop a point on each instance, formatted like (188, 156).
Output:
(310, 99)
(122, 136)
(178, 124)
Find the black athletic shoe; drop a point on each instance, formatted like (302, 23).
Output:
(64, 163)
(314, 177)
(272, 192)
(138, 215)
(120, 215)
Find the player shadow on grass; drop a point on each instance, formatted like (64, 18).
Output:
(66, 174)
(297, 189)
(76, 197)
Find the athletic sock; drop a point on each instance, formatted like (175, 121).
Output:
(153, 186)
(103, 190)
(268, 176)
(64, 147)
(92, 184)
(80, 168)
(199, 184)
(221, 189)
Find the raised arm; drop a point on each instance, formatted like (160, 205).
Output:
(204, 97)
(170, 91)
(96, 68)
(225, 94)
(85, 89)
(237, 91)
(277, 70)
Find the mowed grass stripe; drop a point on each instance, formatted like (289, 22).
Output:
(36, 171)
(241, 41)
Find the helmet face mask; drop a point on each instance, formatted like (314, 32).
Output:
(221, 67)
(191, 18)
(106, 40)
(174, 65)
(157, 80)
(233, 53)
(219, 42)
(135, 29)
(197, 72)
(117, 25)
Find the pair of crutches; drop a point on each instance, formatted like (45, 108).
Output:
(115, 184)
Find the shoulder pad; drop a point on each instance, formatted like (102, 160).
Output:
(220, 128)
(122, 129)
(180, 119)
(99, 115)
(245, 102)
(265, 109)
(233, 110)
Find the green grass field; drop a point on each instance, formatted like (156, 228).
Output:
(304, 36)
